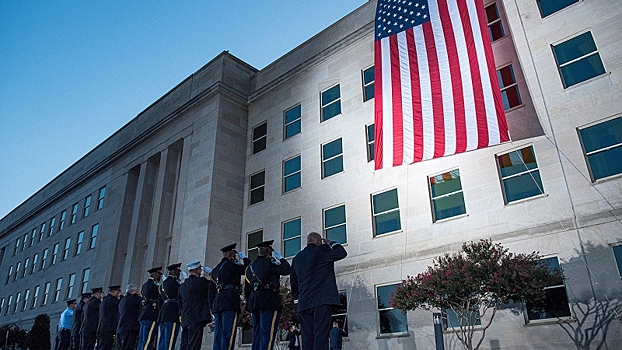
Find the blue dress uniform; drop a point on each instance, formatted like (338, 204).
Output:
(263, 298)
(90, 320)
(64, 326)
(128, 325)
(149, 313)
(76, 322)
(108, 316)
(169, 310)
(226, 306)
(314, 285)
(193, 302)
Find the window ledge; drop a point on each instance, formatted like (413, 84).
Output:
(547, 321)
(606, 179)
(452, 218)
(388, 234)
(393, 335)
(512, 109)
(291, 191)
(543, 195)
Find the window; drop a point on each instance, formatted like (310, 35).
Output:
(331, 103)
(291, 174)
(63, 216)
(520, 175)
(291, 237)
(495, 28)
(79, 242)
(555, 303)
(52, 224)
(509, 87)
(332, 158)
(617, 253)
(26, 297)
(257, 187)
(578, 59)
(55, 254)
(602, 144)
(386, 212)
(87, 206)
(548, 7)
(368, 84)
(35, 297)
(371, 137)
(335, 224)
(84, 286)
(100, 198)
(44, 258)
(446, 194)
(454, 321)
(59, 284)
(33, 238)
(35, 262)
(93, 239)
(26, 266)
(66, 250)
(340, 312)
(391, 320)
(74, 214)
(252, 239)
(70, 283)
(46, 294)
(1, 305)
(8, 305)
(17, 299)
(260, 136)
(9, 274)
(17, 245)
(292, 124)
(42, 232)
(18, 267)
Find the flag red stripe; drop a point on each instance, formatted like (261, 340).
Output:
(416, 96)
(377, 105)
(396, 84)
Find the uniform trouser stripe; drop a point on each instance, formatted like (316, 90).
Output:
(272, 325)
(171, 341)
(148, 342)
(232, 339)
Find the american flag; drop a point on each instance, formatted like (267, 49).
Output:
(436, 88)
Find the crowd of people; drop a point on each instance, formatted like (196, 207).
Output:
(151, 317)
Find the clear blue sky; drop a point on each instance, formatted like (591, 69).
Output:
(74, 72)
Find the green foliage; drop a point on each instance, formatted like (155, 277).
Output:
(39, 336)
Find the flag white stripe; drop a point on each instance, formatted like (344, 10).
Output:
(426, 94)
(407, 108)
(387, 105)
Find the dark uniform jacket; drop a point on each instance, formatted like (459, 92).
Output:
(129, 310)
(108, 314)
(313, 275)
(193, 301)
(150, 295)
(76, 321)
(169, 309)
(227, 275)
(90, 315)
(263, 283)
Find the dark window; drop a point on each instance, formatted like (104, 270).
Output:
(26, 297)
(70, 283)
(252, 240)
(86, 274)
(386, 212)
(368, 84)
(257, 187)
(59, 284)
(63, 216)
(9, 274)
(52, 224)
(55, 254)
(35, 297)
(548, 7)
(8, 305)
(447, 196)
(370, 142)
(340, 312)
(578, 59)
(66, 250)
(79, 243)
(390, 320)
(44, 258)
(495, 28)
(291, 237)
(555, 303)
(42, 231)
(260, 133)
(453, 321)
(332, 158)
(18, 268)
(35, 262)
(93, 239)
(292, 122)
(26, 265)
(87, 206)
(74, 214)
(520, 175)
(335, 224)
(101, 197)
(617, 253)
(331, 103)
(46, 294)
(291, 174)
(602, 144)
(509, 87)
(33, 238)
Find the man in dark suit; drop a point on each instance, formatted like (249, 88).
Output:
(149, 313)
(193, 302)
(226, 306)
(128, 325)
(169, 310)
(263, 297)
(76, 322)
(108, 316)
(90, 320)
(315, 287)
(336, 337)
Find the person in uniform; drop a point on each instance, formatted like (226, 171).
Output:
(169, 311)
(336, 337)
(226, 306)
(262, 292)
(194, 307)
(63, 339)
(108, 316)
(90, 320)
(149, 312)
(128, 325)
(315, 287)
(76, 322)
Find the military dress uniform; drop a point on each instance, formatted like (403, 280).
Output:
(263, 299)
(194, 307)
(226, 306)
(90, 321)
(168, 317)
(108, 316)
(128, 325)
(76, 322)
(149, 313)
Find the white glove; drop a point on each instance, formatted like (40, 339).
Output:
(242, 255)
(206, 269)
(277, 255)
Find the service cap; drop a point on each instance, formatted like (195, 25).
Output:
(265, 244)
(97, 290)
(115, 287)
(174, 267)
(71, 301)
(155, 269)
(85, 295)
(228, 248)
(194, 264)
